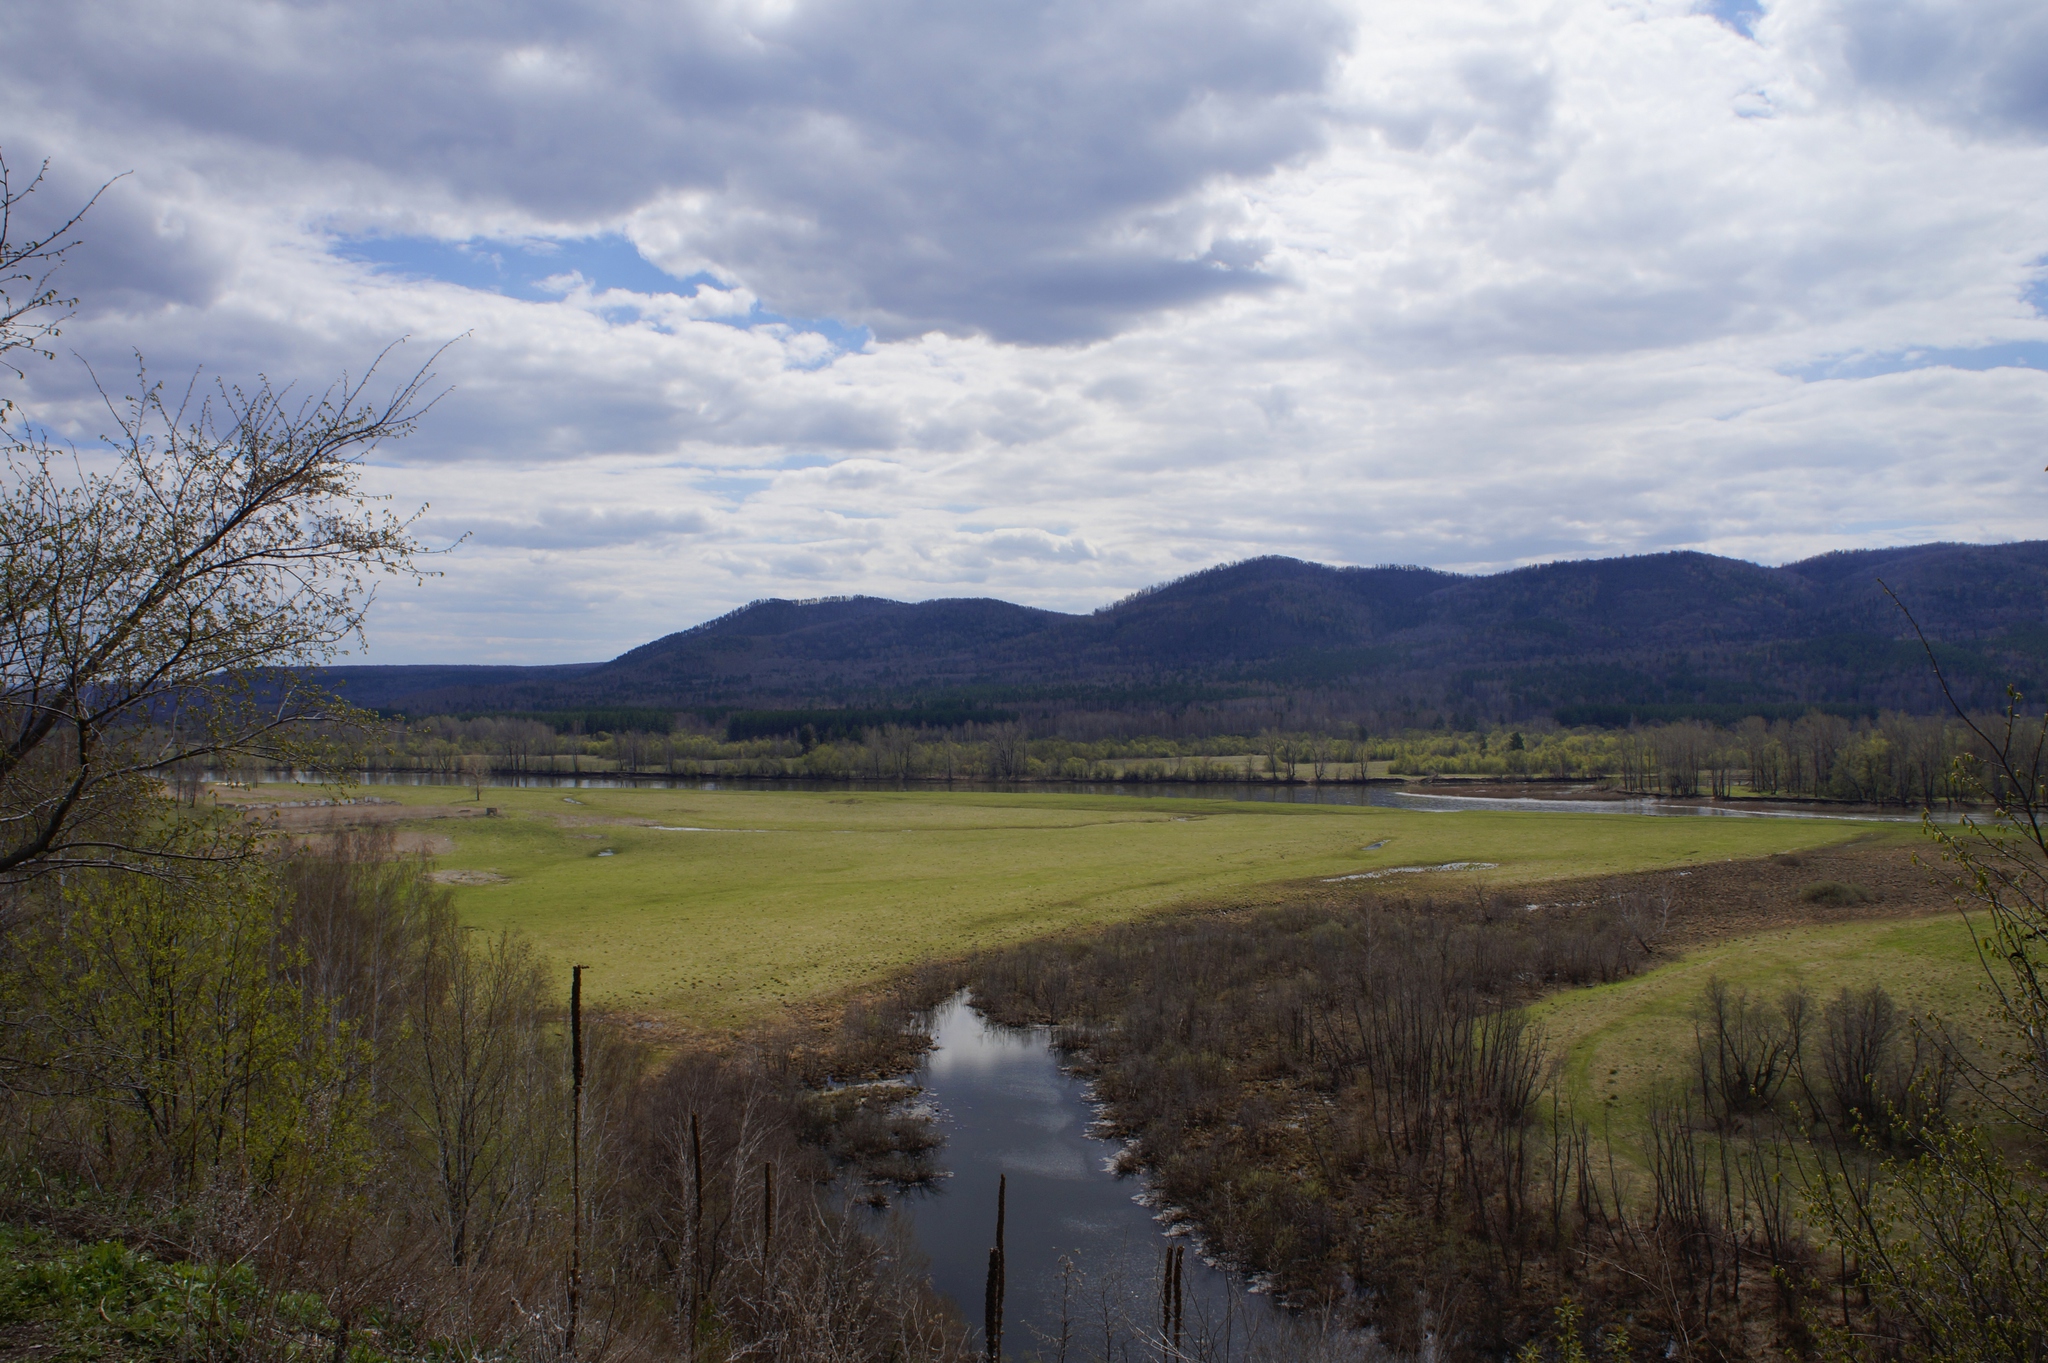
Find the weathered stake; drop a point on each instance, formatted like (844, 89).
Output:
(1179, 1254)
(992, 1295)
(1165, 1300)
(575, 1158)
(1170, 1303)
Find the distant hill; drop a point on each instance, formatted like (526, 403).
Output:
(451, 686)
(1595, 640)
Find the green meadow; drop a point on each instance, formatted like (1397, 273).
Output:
(1624, 1043)
(718, 907)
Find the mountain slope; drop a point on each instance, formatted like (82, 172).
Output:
(1676, 629)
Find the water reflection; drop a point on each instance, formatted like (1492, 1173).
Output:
(1451, 804)
(1084, 1250)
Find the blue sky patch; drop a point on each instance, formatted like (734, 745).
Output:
(608, 260)
(516, 268)
(2007, 355)
(736, 486)
(1740, 15)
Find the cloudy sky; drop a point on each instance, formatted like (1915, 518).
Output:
(1050, 300)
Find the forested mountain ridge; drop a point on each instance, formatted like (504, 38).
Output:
(1592, 638)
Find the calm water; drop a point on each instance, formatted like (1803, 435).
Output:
(1385, 796)
(1074, 1230)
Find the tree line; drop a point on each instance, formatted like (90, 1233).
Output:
(1891, 758)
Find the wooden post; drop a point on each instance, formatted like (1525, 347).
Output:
(1165, 1303)
(767, 1211)
(575, 1157)
(991, 1313)
(1170, 1304)
(1179, 1254)
(992, 1295)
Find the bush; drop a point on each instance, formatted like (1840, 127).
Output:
(1834, 894)
(154, 1013)
(1745, 1049)
(108, 1301)
(1883, 1074)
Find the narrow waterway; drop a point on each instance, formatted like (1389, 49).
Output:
(1381, 795)
(1084, 1248)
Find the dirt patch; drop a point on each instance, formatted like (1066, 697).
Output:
(330, 818)
(1713, 900)
(467, 877)
(414, 842)
(1707, 902)
(404, 842)
(1733, 898)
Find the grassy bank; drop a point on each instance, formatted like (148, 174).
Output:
(1622, 1044)
(719, 907)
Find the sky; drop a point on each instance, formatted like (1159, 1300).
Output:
(1050, 301)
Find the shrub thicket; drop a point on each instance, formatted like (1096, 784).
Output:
(301, 1085)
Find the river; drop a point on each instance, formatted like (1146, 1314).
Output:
(1084, 1247)
(1384, 795)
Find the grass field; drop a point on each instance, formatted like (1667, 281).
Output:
(717, 907)
(1622, 1042)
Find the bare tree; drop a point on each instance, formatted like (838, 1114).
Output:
(481, 1069)
(476, 769)
(159, 614)
(31, 310)
(2001, 867)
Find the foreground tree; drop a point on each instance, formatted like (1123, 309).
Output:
(161, 614)
(163, 1015)
(159, 600)
(31, 310)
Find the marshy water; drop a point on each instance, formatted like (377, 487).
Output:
(1084, 1248)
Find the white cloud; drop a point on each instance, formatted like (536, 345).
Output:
(1150, 287)
(976, 169)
